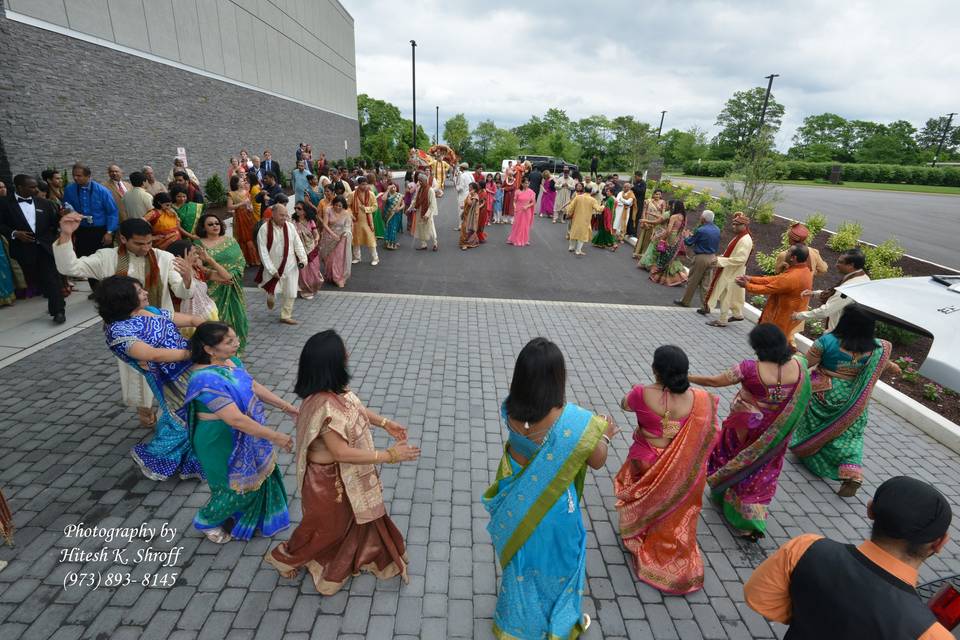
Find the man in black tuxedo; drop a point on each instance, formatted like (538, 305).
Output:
(269, 165)
(32, 225)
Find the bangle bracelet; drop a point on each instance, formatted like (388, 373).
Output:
(607, 438)
(383, 423)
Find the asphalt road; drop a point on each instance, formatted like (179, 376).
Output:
(543, 270)
(926, 225)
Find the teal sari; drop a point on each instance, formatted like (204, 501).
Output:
(538, 532)
(7, 295)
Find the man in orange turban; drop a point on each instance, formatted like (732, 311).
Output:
(800, 234)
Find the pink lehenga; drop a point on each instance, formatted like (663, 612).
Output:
(311, 278)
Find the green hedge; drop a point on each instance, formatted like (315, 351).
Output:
(797, 170)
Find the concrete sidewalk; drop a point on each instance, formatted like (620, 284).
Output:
(441, 366)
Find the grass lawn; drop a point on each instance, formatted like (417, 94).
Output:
(874, 186)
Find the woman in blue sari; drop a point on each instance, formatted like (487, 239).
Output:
(535, 521)
(148, 339)
(238, 452)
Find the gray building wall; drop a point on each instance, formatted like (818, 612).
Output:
(65, 99)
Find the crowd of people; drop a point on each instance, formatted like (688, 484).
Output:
(167, 280)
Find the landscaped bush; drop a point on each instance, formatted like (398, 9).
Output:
(214, 190)
(798, 170)
(881, 259)
(815, 223)
(847, 237)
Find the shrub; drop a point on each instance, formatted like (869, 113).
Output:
(881, 258)
(932, 392)
(815, 328)
(895, 335)
(815, 222)
(758, 301)
(852, 172)
(767, 261)
(214, 190)
(764, 213)
(847, 237)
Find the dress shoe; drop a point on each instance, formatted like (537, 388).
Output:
(680, 303)
(703, 312)
(271, 301)
(288, 321)
(59, 318)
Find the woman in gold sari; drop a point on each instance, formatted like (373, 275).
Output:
(345, 527)
(659, 489)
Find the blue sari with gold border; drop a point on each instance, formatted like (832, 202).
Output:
(538, 532)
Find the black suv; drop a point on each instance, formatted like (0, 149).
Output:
(555, 165)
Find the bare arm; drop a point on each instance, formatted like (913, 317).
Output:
(241, 422)
(271, 398)
(186, 320)
(144, 352)
(343, 452)
(719, 380)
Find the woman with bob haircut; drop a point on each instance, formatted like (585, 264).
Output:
(535, 520)
(224, 412)
(659, 489)
(148, 339)
(774, 393)
(345, 527)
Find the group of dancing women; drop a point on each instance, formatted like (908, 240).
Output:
(213, 425)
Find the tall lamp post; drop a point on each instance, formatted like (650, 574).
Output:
(413, 58)
(943, 138)
(660, 128)
(766, 99)
(436, 137)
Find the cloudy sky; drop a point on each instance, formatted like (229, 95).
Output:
(880, 60)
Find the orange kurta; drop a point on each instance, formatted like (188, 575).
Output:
(783, 297)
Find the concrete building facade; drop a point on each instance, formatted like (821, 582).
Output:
(130, 81)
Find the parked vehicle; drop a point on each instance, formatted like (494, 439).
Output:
(555, 165)
(925, 305)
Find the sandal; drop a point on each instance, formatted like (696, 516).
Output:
(848, 488)
(217, 535)
(716, 323)
(735, 319)
(753, 536)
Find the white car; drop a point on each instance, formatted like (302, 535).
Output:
(928, 305)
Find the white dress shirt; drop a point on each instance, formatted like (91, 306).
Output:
(29, 210)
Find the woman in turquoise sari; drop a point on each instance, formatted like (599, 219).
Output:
(849, 361)
(535, 520)
(7, 293)
(238, 452)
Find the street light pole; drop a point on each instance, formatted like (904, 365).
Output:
(413, 58)
(436, 137)
(660, 128)
(943, 138)
(766, 98)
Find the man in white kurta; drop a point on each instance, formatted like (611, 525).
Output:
(850, 264)
(565, 185)
(462, 180)
(136, 237)
(285, 243)
(731, 265)
(424, 206)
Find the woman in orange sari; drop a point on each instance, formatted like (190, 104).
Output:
(165, 222)
(659, 489)
(240, 205)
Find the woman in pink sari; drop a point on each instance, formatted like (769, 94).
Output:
(311, 277)
(335, 243)
(523, 202)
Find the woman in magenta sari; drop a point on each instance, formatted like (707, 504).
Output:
(659, 489)
(523, 201)
(548, 196)
(745, 466)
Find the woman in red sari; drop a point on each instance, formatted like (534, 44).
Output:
(659, 489)
(509, 189)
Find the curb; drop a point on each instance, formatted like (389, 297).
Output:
(933, 424)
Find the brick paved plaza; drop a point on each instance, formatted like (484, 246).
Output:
(440, 366)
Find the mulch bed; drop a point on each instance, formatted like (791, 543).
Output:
(766, 237)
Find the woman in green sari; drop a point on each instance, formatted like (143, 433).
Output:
(535, 521)
(849, 361)
(188, 212)
(228, 294)
(224, 412)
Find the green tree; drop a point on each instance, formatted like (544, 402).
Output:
(894, 143)
(823, 137)
(678, 147)
(530, 132)
(750, 183)
(740, 119)
(632, 144)
(483, 137)
(456, 133)
(591, 134)
(505, 144)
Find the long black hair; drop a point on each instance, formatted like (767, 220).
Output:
(539, 381)
(208, 334)
(671, 365)
(856, 330)
(769, 343)
(323, 365)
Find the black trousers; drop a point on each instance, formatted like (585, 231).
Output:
(42, 273)
(87, 241)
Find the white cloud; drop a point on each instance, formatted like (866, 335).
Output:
(881, 60)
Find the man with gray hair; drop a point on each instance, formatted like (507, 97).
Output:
(704, 241)
(150, 182)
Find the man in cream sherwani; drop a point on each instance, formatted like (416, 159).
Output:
(135, 257)
(282, 256)
(731, 265)
(565, 185)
